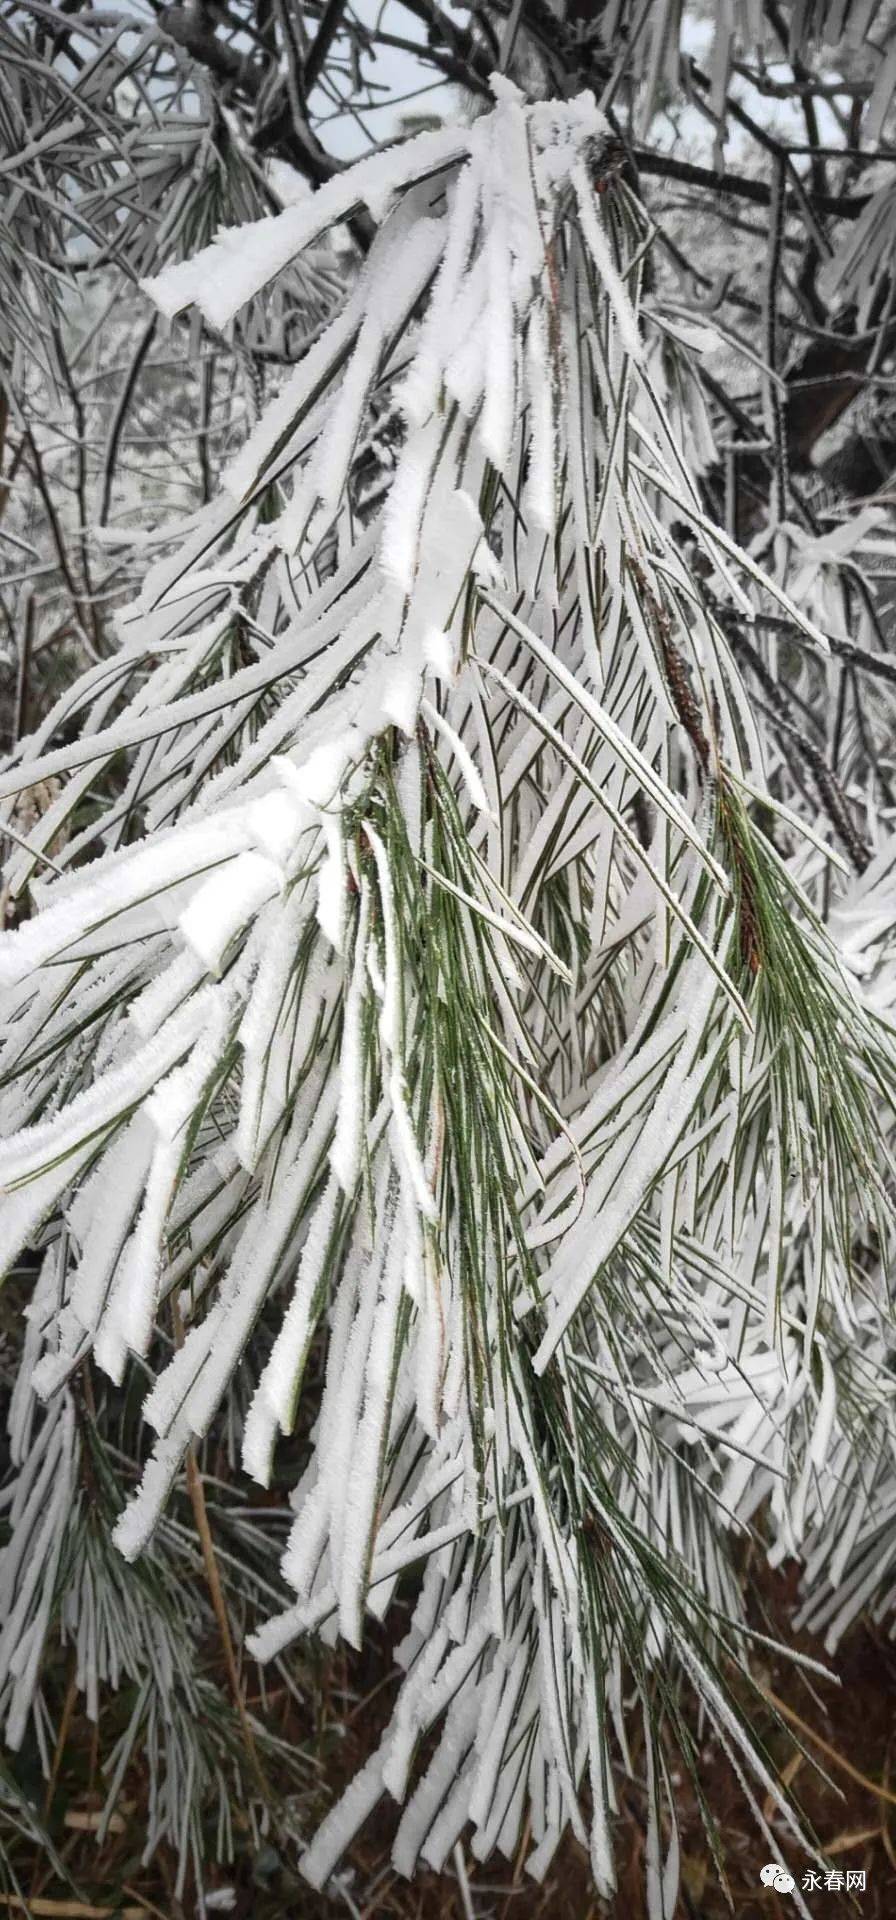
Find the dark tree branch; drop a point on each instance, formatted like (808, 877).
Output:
(328, 27)
(664, 166)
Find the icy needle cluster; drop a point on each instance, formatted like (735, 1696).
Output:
(434, 980)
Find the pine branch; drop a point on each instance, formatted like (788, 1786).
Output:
(438, 1004)
(665, 166)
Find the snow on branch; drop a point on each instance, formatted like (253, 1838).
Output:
(422, 983)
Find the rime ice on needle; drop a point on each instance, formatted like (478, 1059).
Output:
(386, 1021)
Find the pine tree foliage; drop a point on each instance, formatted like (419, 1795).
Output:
(130, 1633)
(115, 160)
(444, 965)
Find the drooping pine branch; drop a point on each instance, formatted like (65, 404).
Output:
(436, 981)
